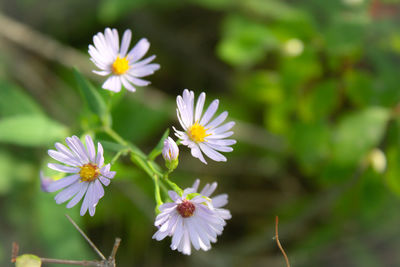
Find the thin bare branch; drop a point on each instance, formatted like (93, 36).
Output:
(72, 262)
(86, 238)
(279, 243)
(115, 248)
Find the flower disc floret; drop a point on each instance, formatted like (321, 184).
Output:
(120, 66)
(186, 209)
(89, 172)
(197, 133)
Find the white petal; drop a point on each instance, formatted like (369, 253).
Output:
(208, 189)
(62, 168)
(217, 121)
(195, 151)
(139, 50)
(67, 193)
(113, 83)
(100, 157)
(78, 196)
(126, 40)
(90, 148)
(126, 84)
(220, 200)
(63, 182)
(199, 106)
(209, 112)
(211, 153)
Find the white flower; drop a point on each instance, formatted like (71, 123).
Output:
(201, 134)
(189, 221)
(170, 150)
(123, 67)
(88, 173)
(218, 201)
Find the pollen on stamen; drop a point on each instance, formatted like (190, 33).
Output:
(197, 133)
(89, 172)
(120, 66)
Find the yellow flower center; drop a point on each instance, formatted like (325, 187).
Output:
(89, 172)
(120, 66)
(197, 133)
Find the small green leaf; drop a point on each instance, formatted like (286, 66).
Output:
(13, 101)
(158, 149)
(28, 260)
(31, 130)
(94, 100)
(358, 133)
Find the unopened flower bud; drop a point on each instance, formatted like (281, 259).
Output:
(170, 153)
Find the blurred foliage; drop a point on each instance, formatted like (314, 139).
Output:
(316, 82)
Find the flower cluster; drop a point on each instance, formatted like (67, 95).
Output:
(191, 217)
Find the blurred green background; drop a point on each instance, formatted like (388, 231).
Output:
(313, 85)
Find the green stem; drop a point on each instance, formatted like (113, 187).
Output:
(157, 194)
(114, 135)
(173, 185)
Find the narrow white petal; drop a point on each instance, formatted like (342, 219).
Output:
(195, 151)
(211, 153)
(113, 84)
(209, 112)
(78, 196)
(62, 168)
(67, 193)
(139, 50)
(199, 106)
(63, 182)
(126, 40)
(217, 121)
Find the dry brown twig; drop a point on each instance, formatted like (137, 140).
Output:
(279, 243)
(104, 262)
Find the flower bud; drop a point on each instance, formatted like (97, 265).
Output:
(170, 153)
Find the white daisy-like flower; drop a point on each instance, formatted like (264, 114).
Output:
(89, 173)
(201, 134)
(218, 201)
(189, 221)
(123, 67)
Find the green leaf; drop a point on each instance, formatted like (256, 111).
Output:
(94, 100)
(31, 130)
(28, 260)
(357, 133)
(158, 149)
(245, 42)
(13, 100)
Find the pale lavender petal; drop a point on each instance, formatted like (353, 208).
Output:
(78, 197)
(195, 151)
(63, 182)
(90, 148)
(126, 40)
(100, 157)
(62, 158)
(62, 168)
(67, 193)
(126, 84)
(86, 200)
(208, 189)
(199, 107)
(211, 153)
(139, 50)
(104, 180)
(209, 112)
(217, 121)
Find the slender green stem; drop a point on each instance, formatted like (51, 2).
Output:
(119, 153)
(173, 185)
(157, 194)
(114, 135)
